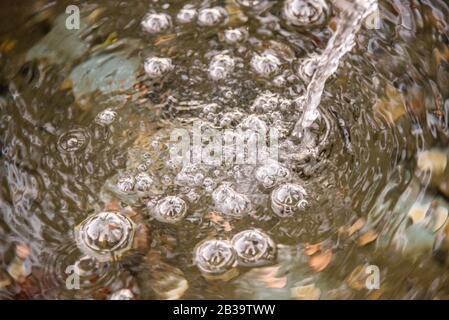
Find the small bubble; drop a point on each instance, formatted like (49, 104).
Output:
(254, 124)
(126, 183)
(190, 174)
(142, 167)
(122, 294)
(73, 140)
(254, 248)
(232, 36)
(266, 64)
(209, 184)
(271, 174)
(307, 68)
(193, 196)
(156, 22)
(230, 202)
(221, 67)
(106, 117)
(157, 67)
(143, 182)
(170, 209)
(166, 180)
(211, 16)
(306, 12)
(288, 199)
(186, 15)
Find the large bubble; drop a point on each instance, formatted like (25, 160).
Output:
(253, 248)
(105, 236)
(288, 199)
(215, 257)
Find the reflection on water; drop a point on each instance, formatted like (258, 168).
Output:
(88, 168)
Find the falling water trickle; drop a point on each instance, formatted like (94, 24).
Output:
(327, 63)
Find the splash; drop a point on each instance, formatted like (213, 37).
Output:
(327, 63)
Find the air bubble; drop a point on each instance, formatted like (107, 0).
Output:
(254, 124)
(230, 202)
(122, 294)
(126, 183)
(221, 67)
(266, 64)
(190, 174)
(156, 22)
(306, 12)
(106, 117)
(105, 236)
(288, 199)
(73, 140)
(253, 248)
(215, 257)
(232, 36)
(211, 16)
(272, 174)
(143, 182)
(307, 68)
(268, 102)
(186, 15)
(157, 67)
(170, 209)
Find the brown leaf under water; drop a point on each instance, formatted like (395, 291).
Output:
(359, 224)
(217, 218)
(308, 292)
(392, 106)
(320, 261)
(367, 237)
(268, 276)
(311, 249)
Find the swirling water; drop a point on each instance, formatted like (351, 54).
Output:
(383, 99)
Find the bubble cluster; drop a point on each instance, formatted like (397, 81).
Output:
(157, 67)
(105, 236)
(143, 182)
(73, 140)
(106, 117)
(230, 202)
(266, 64)
(125, 183)
(253, 248)
(211, 16)
(221, 67)
(271, 174)
(268, 102)
(156, 22)
(288, 199)
(190, 175)
(254, 123)
(306, 12)
(170, 209)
